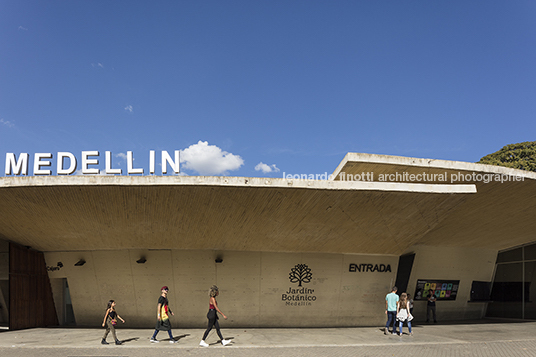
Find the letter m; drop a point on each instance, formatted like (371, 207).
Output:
(16, 166)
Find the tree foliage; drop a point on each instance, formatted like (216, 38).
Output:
(518, 156)
(301, 273)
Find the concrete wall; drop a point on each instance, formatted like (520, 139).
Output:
(448, 263)
(252, 285)
(59, 302)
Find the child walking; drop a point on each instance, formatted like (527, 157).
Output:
(213, 317)
(110, 320)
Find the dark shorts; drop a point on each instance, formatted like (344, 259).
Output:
(163, 325)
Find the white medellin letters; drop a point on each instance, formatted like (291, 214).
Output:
(16, 166)
(175, 165)
(130, 162)
(42, 164)
(38, 163)
(151, 161)
(72, 167)
(87, 161)
(108, 161)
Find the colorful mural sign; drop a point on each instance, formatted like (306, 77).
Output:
(442, 289)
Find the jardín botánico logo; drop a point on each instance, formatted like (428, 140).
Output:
(299, 296)
(301, 273)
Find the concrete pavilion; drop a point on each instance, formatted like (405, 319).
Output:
(285, 252)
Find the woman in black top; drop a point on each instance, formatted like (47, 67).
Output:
(212, 317)
(110, 320)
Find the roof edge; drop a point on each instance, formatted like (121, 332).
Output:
(229, 181)
(430, 163)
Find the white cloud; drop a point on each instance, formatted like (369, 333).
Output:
(129, 108)
(209, 159)
(266, 168)
(122, 156)
(7, 123)
(23, 28)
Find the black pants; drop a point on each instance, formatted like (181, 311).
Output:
(212, 321)
(432, 310)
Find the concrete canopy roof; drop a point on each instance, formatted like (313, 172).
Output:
(501, 215)
(66, 213)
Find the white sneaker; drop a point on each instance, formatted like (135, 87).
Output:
(203, 344)
(225, 342)
(154, 340)
(172, 341)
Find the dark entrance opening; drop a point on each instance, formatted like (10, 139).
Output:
(405, 264)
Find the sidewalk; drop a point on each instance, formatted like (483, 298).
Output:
(462, 336)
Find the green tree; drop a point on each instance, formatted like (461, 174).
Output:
(518, 156)
(301, 273)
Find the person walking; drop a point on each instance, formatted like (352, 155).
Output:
(410, 300)
(110, 320)
(431, 306)
(391, 301)
(162, 319)
(212, 317)
(403, 313)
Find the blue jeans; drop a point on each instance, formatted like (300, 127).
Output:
(391, 316)
(400, 323)
(169, 333)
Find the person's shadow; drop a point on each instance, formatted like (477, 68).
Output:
(219, 342)
(129, 340)
(177, 338)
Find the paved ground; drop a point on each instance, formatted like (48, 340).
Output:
(480, 338)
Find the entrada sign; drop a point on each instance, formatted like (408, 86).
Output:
(19, 166)
(366, 268)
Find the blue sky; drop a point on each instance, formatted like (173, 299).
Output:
(294, 85)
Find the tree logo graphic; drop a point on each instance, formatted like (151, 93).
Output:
(301, 273)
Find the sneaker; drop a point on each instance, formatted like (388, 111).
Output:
(394, 333)
(117, 342)
(386, 331)
(154, 340)
(225, 342)
(172, 341)
(400, 334)
(104, 342)
(203, 344)
(411, 333)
